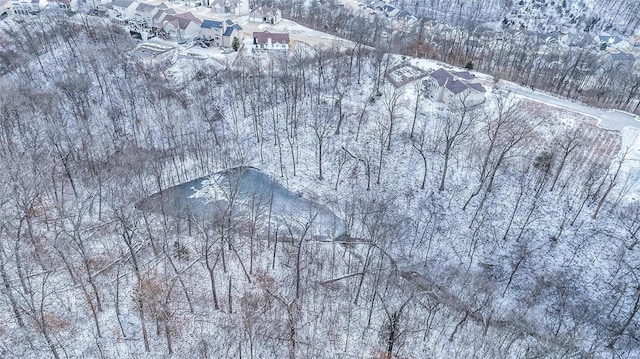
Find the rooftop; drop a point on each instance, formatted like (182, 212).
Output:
(263, 37)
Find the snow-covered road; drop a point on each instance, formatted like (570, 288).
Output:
(607, 119)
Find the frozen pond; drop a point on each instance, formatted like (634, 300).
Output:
(246, 194)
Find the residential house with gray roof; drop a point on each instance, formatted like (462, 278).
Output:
(235, 7)
(454, 87)
(266, 15)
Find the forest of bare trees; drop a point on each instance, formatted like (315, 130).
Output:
(502, 230)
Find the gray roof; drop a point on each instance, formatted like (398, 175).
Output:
(122, 3)
(181, 20)
(453, 83)
(145, 7)
(478, 87)
(549, 37)
(159, 15)
(456, 86)
(441, 76)
(621, 56)
(610, 39)
(466, 75)
(403, 14)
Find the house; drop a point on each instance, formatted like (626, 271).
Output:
(231, 33)
(270, 41)
(56, 4)
(267, 15)
(213, 30)
(121, 10)
(235, 7)
(145, 12)
(220, 33)
(389, 10)
(26, 7)
(608, 40)
(160, 15)
(612, 42)
(621, 58)
(548, 38)
(406, 17)
(455, 87)
(575, 40)
(181, 26)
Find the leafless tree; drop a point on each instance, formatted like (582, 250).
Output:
(454, 127)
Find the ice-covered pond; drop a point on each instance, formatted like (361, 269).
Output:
(246, 194)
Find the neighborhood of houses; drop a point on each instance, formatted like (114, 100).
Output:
(614, 49)
(215, 23)
(210, 22)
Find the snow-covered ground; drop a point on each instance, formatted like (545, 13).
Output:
(521, 269)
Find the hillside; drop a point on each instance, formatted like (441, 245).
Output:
(617, 17)
(504, 229)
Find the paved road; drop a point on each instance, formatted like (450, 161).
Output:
(607, 119)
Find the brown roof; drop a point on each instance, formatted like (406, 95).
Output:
(181, 20)
(278, 38)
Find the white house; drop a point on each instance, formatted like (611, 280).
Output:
(231, 32)
(271, 41)
(145, 12)
(612, 42)
(455, 87)
(267, 15)
(122, 10)
(25, 7)
(160, 15)
(59, 4)
(182, 26)
(235, 7)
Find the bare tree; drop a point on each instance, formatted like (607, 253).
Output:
(453, 127)
(505, 133)
(612, 179)
(392, 100)
(321, 129)
(567, 144)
